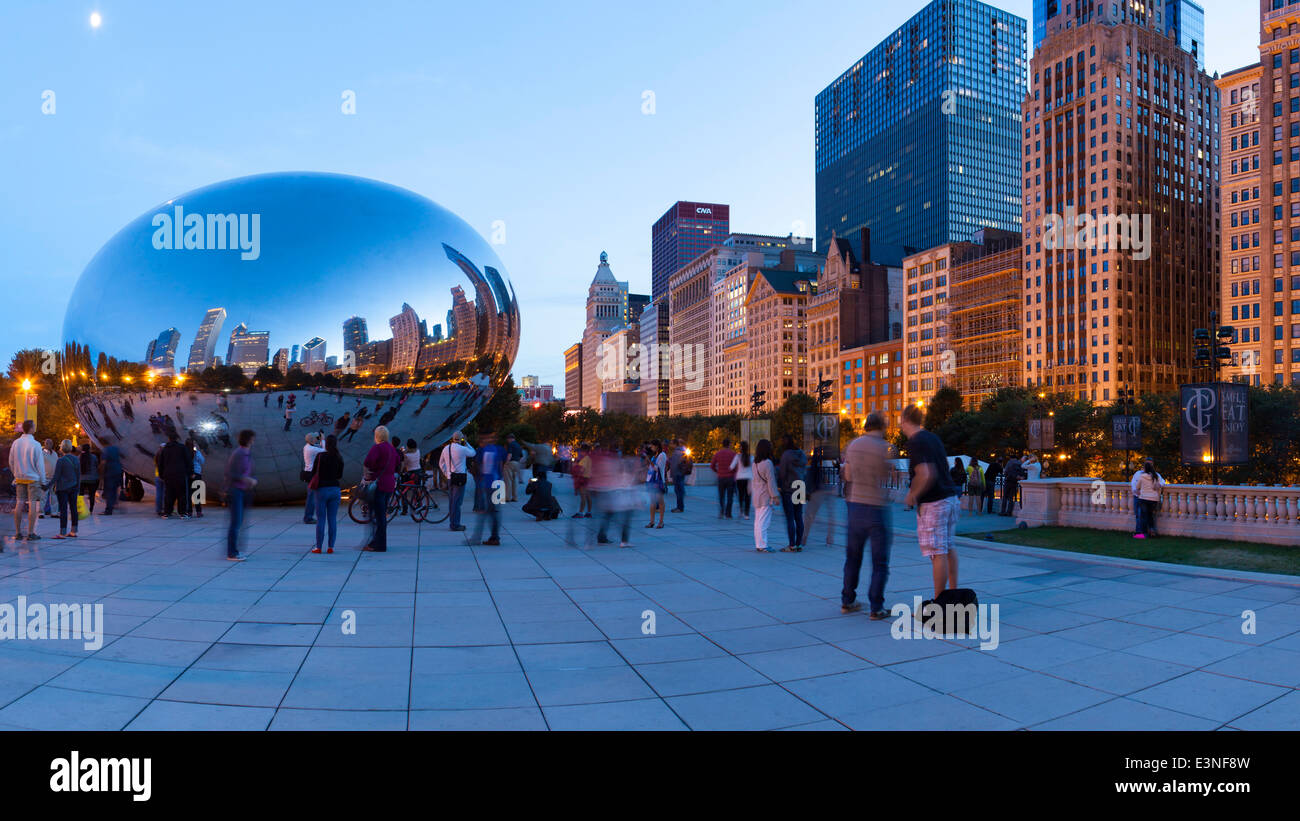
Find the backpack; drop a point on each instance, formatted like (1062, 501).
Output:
(686, 465)
(975, 480)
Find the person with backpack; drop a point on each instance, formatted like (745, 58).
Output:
(491, 459)
(679, 467)
(790, 471)
(991, 475)
(974, 498)
(452, 464)
(765, 493)
(89, 476)
(655, 485)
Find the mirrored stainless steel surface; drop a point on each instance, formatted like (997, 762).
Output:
(287, 304)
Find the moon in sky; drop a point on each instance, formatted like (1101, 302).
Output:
(95, 19)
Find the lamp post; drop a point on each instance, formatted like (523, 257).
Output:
(1212, 352)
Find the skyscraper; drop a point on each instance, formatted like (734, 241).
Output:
(1121, 162)
(686, 230)
(355, 338)
(573, 399)
(406, 338)
(248, 349)
(606, 309)
(204, 347)
(1183, 20)
(162, 352)
(313, 355)
(918, 140)
(281, 360)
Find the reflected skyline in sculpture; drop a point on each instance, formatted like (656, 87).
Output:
(278, 338)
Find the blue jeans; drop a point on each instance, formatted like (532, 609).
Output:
(679, 487)
(793, 518)
(379, 519)
(327, 511)
(726, 493)
(491, 513)
(160, 493)
(1137, 515)
(238, 497)
(309, 510)
(866, 522)
(67, 502)
(112, 489)
(456, 494)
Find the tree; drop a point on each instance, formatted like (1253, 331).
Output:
(501, 410)
(945, 402)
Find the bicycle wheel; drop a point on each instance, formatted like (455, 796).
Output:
(394, 505)
(417, 503)
(358, 510)
(439, 507)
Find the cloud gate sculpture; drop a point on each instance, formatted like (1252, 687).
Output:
(287, 304)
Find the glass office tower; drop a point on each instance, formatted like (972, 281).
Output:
(919, 140)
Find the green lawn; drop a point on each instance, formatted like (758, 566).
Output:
(1218, 553)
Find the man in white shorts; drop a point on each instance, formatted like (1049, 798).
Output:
(935, 497)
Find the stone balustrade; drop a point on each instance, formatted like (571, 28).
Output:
(1244, 513)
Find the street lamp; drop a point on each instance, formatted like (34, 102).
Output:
(1212, 353)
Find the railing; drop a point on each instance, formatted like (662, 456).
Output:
(1246, 513)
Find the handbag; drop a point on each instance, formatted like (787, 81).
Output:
(459, 479)
(305, 475)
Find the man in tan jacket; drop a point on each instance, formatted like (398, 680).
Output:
(864, 468)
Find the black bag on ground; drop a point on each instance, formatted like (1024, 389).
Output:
(957, 613)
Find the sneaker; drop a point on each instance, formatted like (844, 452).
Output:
(492, 541)
(851, 608)
(624, 544)
(1138, 536)
(879, 615)
(602, 540)
(238, 557)
(32, 537)
(458, 528)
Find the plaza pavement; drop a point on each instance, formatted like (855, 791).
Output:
(541, 634)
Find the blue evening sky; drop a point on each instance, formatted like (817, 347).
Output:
(525, 112)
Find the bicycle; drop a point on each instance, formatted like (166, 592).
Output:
(424, 503)
(359, 507)
(316, 418)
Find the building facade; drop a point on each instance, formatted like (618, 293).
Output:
(573, 399)
(917, 141)
(204, 348)
(606, 309)
(777, 334)
(1120, 207)
(985, 292)
(1246, 225)
(686, 230)
(870, 378)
